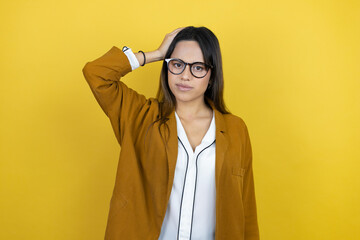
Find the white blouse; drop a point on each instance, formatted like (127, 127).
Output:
(191, 209)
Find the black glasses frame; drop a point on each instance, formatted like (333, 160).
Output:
(190, 64)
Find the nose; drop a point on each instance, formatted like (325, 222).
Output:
(186, 74)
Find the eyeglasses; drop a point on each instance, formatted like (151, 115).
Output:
(177, 66)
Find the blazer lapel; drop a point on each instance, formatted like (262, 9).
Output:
(222, 141)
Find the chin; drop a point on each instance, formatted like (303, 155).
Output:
(184, 98)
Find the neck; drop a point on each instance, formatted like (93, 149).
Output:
(193, 109)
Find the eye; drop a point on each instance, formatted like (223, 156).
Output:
(177, 64)
(198, 67)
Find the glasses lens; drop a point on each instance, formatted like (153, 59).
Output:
(176, 66)
(199, 69)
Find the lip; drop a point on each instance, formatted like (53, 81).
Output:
(183, 87)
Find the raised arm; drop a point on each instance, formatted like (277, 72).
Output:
(120, 103)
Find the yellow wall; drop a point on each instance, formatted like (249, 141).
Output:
(292, 72)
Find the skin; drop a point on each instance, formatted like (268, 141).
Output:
(191, 102)
(194, 114)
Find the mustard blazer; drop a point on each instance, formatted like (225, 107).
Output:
(146, 167)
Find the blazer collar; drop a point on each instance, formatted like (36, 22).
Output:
(222, 142)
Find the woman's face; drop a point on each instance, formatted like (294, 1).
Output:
(185, 86)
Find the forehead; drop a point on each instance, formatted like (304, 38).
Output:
(188, 51)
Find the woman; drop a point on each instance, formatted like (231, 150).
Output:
(185, 167)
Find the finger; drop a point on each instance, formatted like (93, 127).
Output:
(177, 30)
(180, 28)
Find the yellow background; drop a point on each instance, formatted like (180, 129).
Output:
(292, 72)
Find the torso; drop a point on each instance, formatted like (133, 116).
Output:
(196, 129)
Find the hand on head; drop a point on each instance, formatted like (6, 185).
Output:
(167, 41)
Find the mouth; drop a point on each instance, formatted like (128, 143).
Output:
(182, 87)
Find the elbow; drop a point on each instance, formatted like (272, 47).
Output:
(88, 71)
(86, 68)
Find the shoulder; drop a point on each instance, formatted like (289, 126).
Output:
(234, 122)
(236, 128)
(151, 106)
(145, 113)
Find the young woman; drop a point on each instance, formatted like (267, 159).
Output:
(185, 166)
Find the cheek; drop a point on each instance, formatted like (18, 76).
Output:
(171, 82)
(206, 80)
(170, 78)
(204, 83)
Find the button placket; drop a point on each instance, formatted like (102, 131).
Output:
(187, 205)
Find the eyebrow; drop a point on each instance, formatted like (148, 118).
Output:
(189, 62)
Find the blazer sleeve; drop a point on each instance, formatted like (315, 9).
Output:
(251, 223)
(119, 102)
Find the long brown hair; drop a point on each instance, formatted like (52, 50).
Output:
(210, 48)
